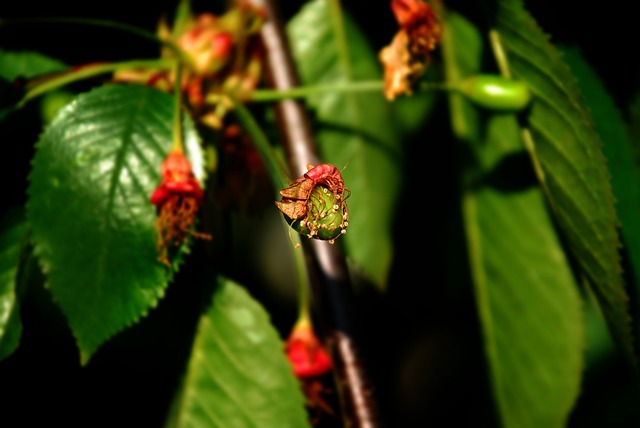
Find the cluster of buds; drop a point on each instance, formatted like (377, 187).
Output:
(178, 199)
(409, 54)
(221, 57)
(316, 203)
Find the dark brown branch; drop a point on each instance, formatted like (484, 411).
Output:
(330, 283)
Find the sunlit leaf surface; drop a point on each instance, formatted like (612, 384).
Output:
(93, 225)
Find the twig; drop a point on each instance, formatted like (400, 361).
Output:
(330, 283)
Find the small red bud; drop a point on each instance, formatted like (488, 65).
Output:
(305, 352)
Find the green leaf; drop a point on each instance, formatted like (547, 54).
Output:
(12, 233)
(529, 307)
(26, 64)
(238, 374)
(356, 132)
(94, 233)
(565, 145)
(527, 299)
(618, 150)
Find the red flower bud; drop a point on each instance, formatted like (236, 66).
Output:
(305, 352)
(178, 198)
(208, 45)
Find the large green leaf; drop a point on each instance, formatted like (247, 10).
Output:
(11, 240)
(238, 374)
(93, 225)
(357, 131)
(527, 299)
(618, 150)
(572, 169)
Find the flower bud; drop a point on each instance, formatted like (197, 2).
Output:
(207, 44)
(306, 353)
(326, 218)
(316, 203)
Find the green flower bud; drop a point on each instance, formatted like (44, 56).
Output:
(326, 217)
(316, 203)
(495, 92)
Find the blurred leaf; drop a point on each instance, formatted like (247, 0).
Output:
(26, 64)
(12, 233)
(571, 164)
(238, 374)
(633, 111)
(617, 148)
(526, 295)
(95, 168)
(356, 131)
(21, 64)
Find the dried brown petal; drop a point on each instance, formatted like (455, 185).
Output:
(409, 54)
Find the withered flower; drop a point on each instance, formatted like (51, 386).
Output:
(316, 203)
(178, 198)
(409, 54)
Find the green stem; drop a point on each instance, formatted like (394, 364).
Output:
(177, 109)
(304, 299)
(499, 54)
(264, 95)
(279, 180)
(278, 177)
(268, 95)
(90, 71)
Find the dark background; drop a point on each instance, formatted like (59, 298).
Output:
(421, 341)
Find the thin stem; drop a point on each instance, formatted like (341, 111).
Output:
(92, 22)
(304, 298)
(268, 95)
(279, 180)
(499, 54)
(328, 273)
(178, 145)
(278, 177)
(264, 95)
(68, 77)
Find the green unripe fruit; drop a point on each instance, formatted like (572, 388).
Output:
(52, 102)
(496, 92)
(326, 216)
